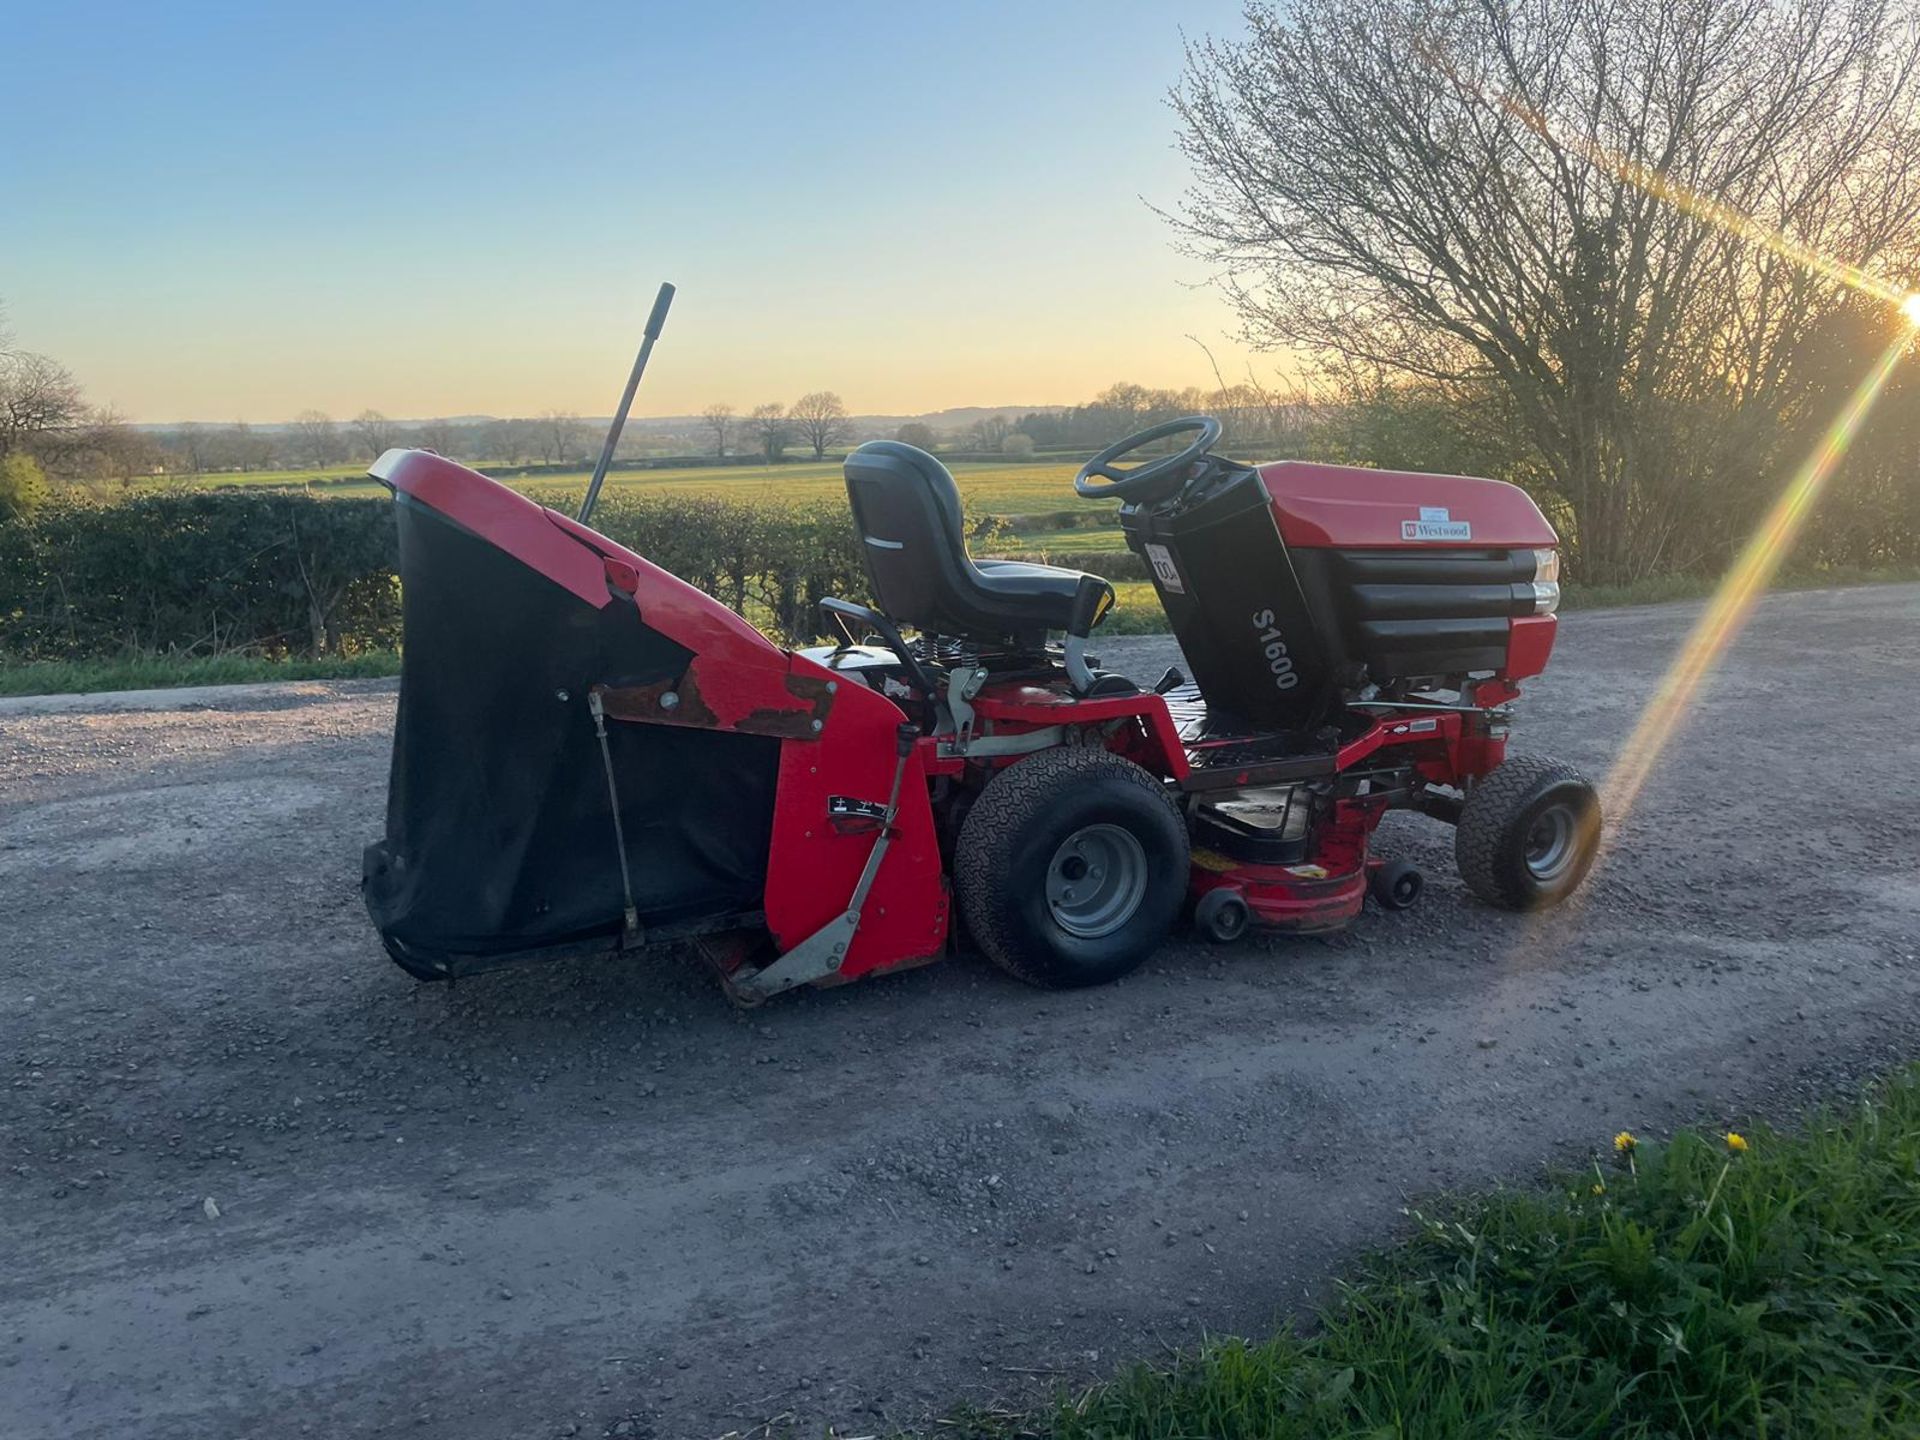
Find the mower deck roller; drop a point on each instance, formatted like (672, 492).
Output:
(591, 754)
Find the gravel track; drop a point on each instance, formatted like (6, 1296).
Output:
(593, 1199)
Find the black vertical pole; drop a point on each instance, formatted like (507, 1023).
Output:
(654, 322)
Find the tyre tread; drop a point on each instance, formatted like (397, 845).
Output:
(1491, 808)
(1009, 801)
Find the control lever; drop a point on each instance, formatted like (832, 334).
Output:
(1090, 602)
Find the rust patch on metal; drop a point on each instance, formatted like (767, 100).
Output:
(648, 704)
(793, 724)
(813, 690)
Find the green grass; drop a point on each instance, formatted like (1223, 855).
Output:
(1136, 610)
(1067, 542)
(154, 672)
(1685, 1289)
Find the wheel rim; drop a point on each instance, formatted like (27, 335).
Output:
(1095, 880)
(1551, 844)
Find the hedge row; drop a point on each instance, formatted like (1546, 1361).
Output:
(195, 573)
(280, 574)
(772, 563)
(276, 574)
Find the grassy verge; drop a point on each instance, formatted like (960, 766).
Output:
(1758, 1284)
(153, 672)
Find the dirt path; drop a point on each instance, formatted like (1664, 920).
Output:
(594, 1199)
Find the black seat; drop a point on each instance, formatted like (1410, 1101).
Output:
(906, 510)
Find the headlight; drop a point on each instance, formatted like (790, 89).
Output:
(1546, 580)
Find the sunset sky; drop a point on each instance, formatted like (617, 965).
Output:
(236, 211)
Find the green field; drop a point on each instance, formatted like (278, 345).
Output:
(1031, 500)
(1008, 490)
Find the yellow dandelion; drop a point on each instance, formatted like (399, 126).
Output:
(1598, 1188)
(1736, 1142)
(1625, 1142)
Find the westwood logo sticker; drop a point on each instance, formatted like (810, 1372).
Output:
(1435, 524)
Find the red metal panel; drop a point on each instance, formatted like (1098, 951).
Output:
(1530, 645)
(588, 563)
(498, 515)
(1349, 507)
(812, 870)
(1019, 706)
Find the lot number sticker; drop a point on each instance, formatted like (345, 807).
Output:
(1164, 570)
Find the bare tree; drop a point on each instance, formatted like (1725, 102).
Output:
(440, 436)
(989, 432)
(190, 443)
(558, 434)
(769, 425)
(822, 420)
(106, 447)
(40, 402)
(918, 434)
(1516, 193)
(314, 439)
(240, 447)
(505, 441)
(719, 418)
(375, 433)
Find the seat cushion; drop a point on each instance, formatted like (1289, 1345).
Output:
(906, 509)
(1021, 577)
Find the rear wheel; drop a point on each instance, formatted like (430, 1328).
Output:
(1071, 867)
(1528, 833)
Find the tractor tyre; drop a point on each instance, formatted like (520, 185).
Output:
(1071, 867)
(1528, 833)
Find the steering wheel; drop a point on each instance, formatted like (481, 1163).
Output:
(1147, 481)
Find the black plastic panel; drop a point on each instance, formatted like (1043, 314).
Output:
(1404, 614)
(1224, 576)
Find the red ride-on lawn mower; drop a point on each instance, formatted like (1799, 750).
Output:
(591, 753)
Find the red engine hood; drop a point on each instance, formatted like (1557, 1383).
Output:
(1351, 507)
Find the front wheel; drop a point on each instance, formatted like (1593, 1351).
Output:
(1528, 833)
(1071, 867)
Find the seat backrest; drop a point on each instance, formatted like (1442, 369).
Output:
(906, 510)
